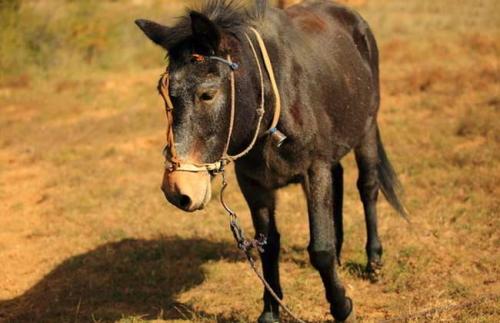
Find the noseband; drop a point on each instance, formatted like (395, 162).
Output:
(173, 163)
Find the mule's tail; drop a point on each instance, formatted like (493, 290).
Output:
(389, 183)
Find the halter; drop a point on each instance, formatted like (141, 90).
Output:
(173, 163)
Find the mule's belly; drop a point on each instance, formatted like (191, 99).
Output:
(275, 168)
(270, 178)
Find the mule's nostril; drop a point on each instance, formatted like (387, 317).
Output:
(184, 201)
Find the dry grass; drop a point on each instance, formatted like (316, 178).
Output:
(85, 234)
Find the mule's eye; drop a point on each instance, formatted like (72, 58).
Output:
(208, 96)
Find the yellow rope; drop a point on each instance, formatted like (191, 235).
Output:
(274, 85)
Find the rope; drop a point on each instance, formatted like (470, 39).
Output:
(260, 111)
(169, 107)
(247, 245)
(233, 108)
(271, 291)
(269, 68)
(244, 244)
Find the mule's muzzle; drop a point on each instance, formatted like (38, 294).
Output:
(189, 191)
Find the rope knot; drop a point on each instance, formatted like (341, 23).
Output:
(246, 245)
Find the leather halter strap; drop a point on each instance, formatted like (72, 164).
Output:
(173, 163)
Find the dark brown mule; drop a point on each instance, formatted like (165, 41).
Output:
(325, 60)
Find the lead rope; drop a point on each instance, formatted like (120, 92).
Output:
(246, 245)
(243, 243)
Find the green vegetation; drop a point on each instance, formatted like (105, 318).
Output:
(47, 36)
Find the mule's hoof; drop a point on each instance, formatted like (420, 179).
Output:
(269, 317)
(351, 318)
(373, 269)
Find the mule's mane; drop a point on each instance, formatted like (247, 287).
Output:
(228, 15)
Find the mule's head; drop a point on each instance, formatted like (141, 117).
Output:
(200, 93)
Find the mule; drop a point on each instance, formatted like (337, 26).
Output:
(325, 61)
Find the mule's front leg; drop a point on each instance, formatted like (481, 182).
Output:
(318, 188)
(262, 203)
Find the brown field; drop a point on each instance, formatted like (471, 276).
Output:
(86, 235)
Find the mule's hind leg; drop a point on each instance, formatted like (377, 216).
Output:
(262, 203)
(368, 185)
(318, 186)
(338, 200)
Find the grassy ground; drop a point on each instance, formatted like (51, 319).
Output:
(85, 233)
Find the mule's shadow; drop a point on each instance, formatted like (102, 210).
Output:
(116, 280)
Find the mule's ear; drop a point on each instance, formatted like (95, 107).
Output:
(156, 32)
(205, 32)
